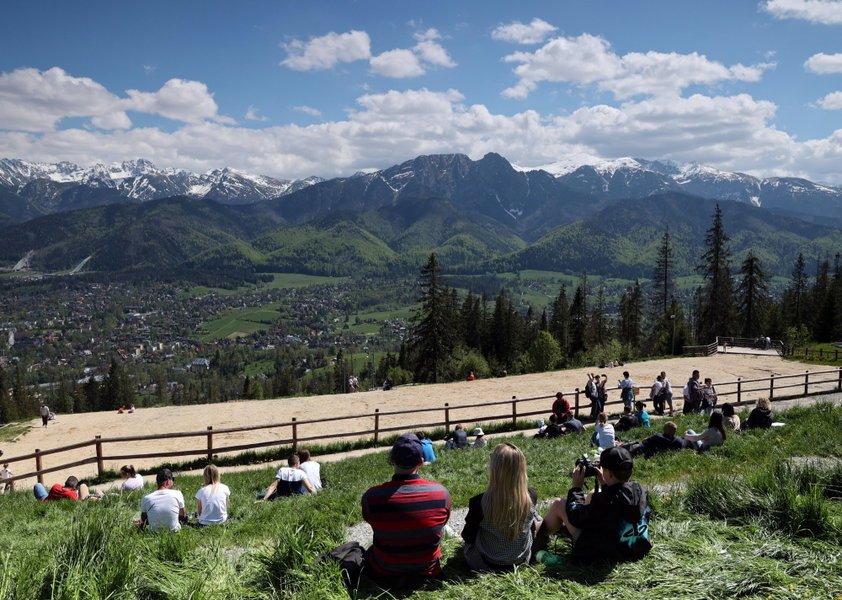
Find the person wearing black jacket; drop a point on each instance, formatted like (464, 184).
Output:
(610, 524)
(760, 416)
(660, 442)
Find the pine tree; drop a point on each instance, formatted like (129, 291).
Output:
(431, 338)
(631, 316)
(796, 294)
(716, 298)
(663, 284)
(752, 296)
(5, 408)
(598, 331)
(578, 322)
(559, 324)
(544, 352)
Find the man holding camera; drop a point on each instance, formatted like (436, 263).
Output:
(612, 523)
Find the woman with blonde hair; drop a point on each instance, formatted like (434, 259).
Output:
(760, 416)
(212, 499)
(502, 522)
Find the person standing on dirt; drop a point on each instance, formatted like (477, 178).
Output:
(695, 394)
(44, 411)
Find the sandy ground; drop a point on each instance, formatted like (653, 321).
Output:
(69, 429)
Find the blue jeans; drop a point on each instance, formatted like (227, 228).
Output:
(39, 491)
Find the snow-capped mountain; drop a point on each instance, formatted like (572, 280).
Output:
(55, 187)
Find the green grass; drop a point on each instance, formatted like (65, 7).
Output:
(240, 321)
(298, 280)
(10, 431)
(747, 525)
(828, 356)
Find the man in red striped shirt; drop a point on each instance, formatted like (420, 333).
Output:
(407, 515)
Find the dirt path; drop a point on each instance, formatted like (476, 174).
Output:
(69, 429)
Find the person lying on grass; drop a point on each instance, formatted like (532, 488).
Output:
(212, 499)
(612, 523)
(289, 481)
(163, 509)
(71, 490)
(502, 522)
(714, 435)
(660, 442)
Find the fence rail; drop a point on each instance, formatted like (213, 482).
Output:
(816, 382)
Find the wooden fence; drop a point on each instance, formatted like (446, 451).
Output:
(735, 392)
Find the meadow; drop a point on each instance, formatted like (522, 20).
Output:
(739, 521)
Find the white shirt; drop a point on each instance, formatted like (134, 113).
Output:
(313, 471)
(132, 483)
(290, 474)
(605, 435)
(214, 505)
(5, 473)
(656, 389)
(667, 385)
(162, 508)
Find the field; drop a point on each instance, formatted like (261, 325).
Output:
(241, 322)
(820, 354)
(738, 521)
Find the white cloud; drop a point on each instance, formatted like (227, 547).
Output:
(428, 35)
(823, 64)
(832, 101)
(519, 33)
(588, 59)
(825, 12)
(434, 53)
(730, 132)
(252, 114)
(148, 69)
(178, 99)
(326, 51)
(398, 63)
(308, 110)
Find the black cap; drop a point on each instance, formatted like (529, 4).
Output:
(163, 476)
(616, 459)
(406, 451)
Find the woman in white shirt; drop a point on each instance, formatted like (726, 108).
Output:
(132, 480)
(212, 499)
(714, 435)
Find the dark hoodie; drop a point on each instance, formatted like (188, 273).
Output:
(614, 525)
(759, 418)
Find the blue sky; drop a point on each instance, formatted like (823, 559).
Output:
(291, 89)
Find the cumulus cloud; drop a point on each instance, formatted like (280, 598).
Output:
(524, 33)
(588, 59)
(252, 114)
(825, 12)
(308, 110)
(398, 63)
(823, 64)
(326, 51)
(178, 99)
(832, 101)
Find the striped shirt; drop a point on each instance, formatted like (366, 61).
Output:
(407, 515)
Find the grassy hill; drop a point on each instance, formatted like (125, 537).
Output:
(734, 522)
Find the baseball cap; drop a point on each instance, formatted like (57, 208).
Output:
(164, 475)
(616, 459)
(406, 451)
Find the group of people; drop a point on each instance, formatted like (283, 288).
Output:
(458, 439)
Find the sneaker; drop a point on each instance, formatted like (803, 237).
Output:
(548, 558)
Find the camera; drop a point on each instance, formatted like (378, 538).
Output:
(590, 465)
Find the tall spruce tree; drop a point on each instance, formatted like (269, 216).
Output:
(559, 324)
(431, 338)
(631, 316)
(663, 283)
(795, 297)
(716, 297)
(578, 321)
(752, 296)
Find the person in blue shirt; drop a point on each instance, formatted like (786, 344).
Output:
(641, 414)
(427, 449)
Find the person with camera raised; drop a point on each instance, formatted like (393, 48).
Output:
(612, 523)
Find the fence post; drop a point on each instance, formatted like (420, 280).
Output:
(376, 425)
(294, 434)
(514, 411)
(447, 417)
(739, 390)
(38, 465)
(821, 352)
(210, 443)
(771, 388)
(100, 467)
(807, 382)
(576, 405)
(839, 385)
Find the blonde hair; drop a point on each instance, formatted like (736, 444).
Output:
(506, 502)
(764, 403)
(211, 476)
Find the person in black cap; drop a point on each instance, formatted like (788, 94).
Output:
(407, 516)
(163, 509)
(609, 524)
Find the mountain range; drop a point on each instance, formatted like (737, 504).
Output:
(479, 216)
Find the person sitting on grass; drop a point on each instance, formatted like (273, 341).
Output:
(407, 516)
(603, 436)
(760, 416)
(660, 442)
(641, 414)
(502, 522)
(714, 435)
(612, 523)
(71, 490)
(311, 467)
(458, 438)
(732, 420)
(552, 430)
(479, 441)
(427, 448)
(289, 481)
(212, 499)
(627, 421)
(560, 407)
(132, 480)
(571, 424)
(163, 509)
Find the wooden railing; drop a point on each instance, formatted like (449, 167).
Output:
(739, 342)
(705, 350)
(817, 382)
